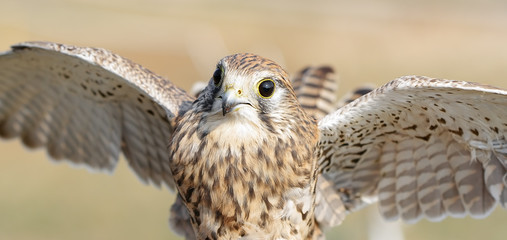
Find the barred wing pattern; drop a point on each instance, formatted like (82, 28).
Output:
(421, 147)
(315, 88)
(84, 105)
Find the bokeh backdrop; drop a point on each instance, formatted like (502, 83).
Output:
(366, 41)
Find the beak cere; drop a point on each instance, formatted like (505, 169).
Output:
(231, 98)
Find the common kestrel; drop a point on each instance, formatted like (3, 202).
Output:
(246, 159)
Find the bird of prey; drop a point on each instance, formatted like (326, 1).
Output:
(246, 159)
(315, 89)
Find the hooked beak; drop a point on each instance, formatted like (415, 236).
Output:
(231, 98)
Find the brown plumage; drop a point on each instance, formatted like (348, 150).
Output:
(239, 173)
(246, 159)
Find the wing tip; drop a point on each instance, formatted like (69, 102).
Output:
(52, 46)
(33, 44)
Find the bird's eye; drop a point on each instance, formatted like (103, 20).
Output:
(266, 88)
(217, 76)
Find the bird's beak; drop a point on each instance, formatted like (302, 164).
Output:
(231, 98)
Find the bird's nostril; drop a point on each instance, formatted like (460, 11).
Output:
(239, 91)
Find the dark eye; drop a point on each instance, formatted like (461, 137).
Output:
(266, 88)
(217, 76)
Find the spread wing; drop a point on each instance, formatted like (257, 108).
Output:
(421, 147)
(85, 105)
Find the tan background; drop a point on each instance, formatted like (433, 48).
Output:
(366, 42)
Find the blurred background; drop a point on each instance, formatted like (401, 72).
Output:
(365, 41)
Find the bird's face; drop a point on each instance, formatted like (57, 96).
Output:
(238, 91)
(246, 85)
(247, 95)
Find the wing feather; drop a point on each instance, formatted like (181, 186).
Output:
(387, 183)
(427, 185)
(421, 147)
(315, 89)
(406, 184)
(86, 105)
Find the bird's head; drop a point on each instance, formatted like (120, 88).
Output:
(245, 85)
(248, 95)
